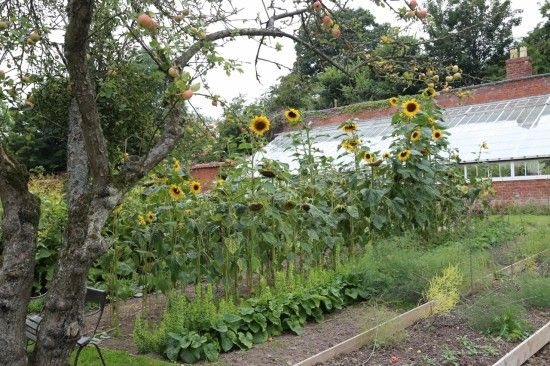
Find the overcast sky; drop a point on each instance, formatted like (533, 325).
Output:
(245, 50)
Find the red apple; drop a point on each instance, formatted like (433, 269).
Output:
(422, 13)
(317, 5)
(178, 18)
(336, 32)
(145, 21)
(327, 21)
(413, 4)
(214, 102)
(186, 94)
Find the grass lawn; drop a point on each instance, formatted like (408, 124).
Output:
(89, 357)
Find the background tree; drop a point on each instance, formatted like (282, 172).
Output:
(538, 42)
(475, 34)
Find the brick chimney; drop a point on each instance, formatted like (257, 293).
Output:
(519, 65)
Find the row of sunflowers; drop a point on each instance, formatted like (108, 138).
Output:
(261, 219)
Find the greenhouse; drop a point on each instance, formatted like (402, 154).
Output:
(516, 131)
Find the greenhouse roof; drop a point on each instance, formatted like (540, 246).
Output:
(515, 129)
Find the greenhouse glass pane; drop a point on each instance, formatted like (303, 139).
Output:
(532, 167)
(505, 170)
(519, 168)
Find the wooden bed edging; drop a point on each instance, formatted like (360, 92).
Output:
(400, 322)
(405, 320)
(519, 266)
(527, 348)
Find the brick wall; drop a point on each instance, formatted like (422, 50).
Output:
(523, 191)
(519, 67)
(206, 173)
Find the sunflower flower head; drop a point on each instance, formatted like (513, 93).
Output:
(259, 125)
(416, 135)
(386, 154)
(176, 165)
(437, 134)
(293, 116)
(404, 155)
(368, 157)
(350, 144)
(393, 101)
(141, 220)
(349, 126)
(195, 186)
(485, 146)
(188, 212)
(411, 108)
(150, 217)
(428, 92)
(431, 120)
(176, 192)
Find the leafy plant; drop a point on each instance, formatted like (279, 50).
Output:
(498, 315)
(534, 290)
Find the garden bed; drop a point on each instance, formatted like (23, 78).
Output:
(481, 330)
(443, 339)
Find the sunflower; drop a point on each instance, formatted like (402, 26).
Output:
(293, 115)
(196, 186)
(431, 121)
(351, 144)
(428, 92)
(175, 192)
(188, 212)
(219, 182)
(386, 154)
(411, 108)
(404, 155)
(259, 125)
(484, 146)
(368, 157)
(349, 127)
(437, 134)
(176, 165)
(416, 135)
(141, 220)
(393, 101)
(150, 217)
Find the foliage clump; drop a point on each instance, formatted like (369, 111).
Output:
(445, 289)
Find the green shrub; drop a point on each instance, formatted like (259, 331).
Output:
(535, 290)
(499, 315)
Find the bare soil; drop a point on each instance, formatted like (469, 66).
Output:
(443, 339)
(541, 358)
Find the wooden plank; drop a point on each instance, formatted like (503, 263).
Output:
(400, 322)
(519, 266)
(527, 348)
